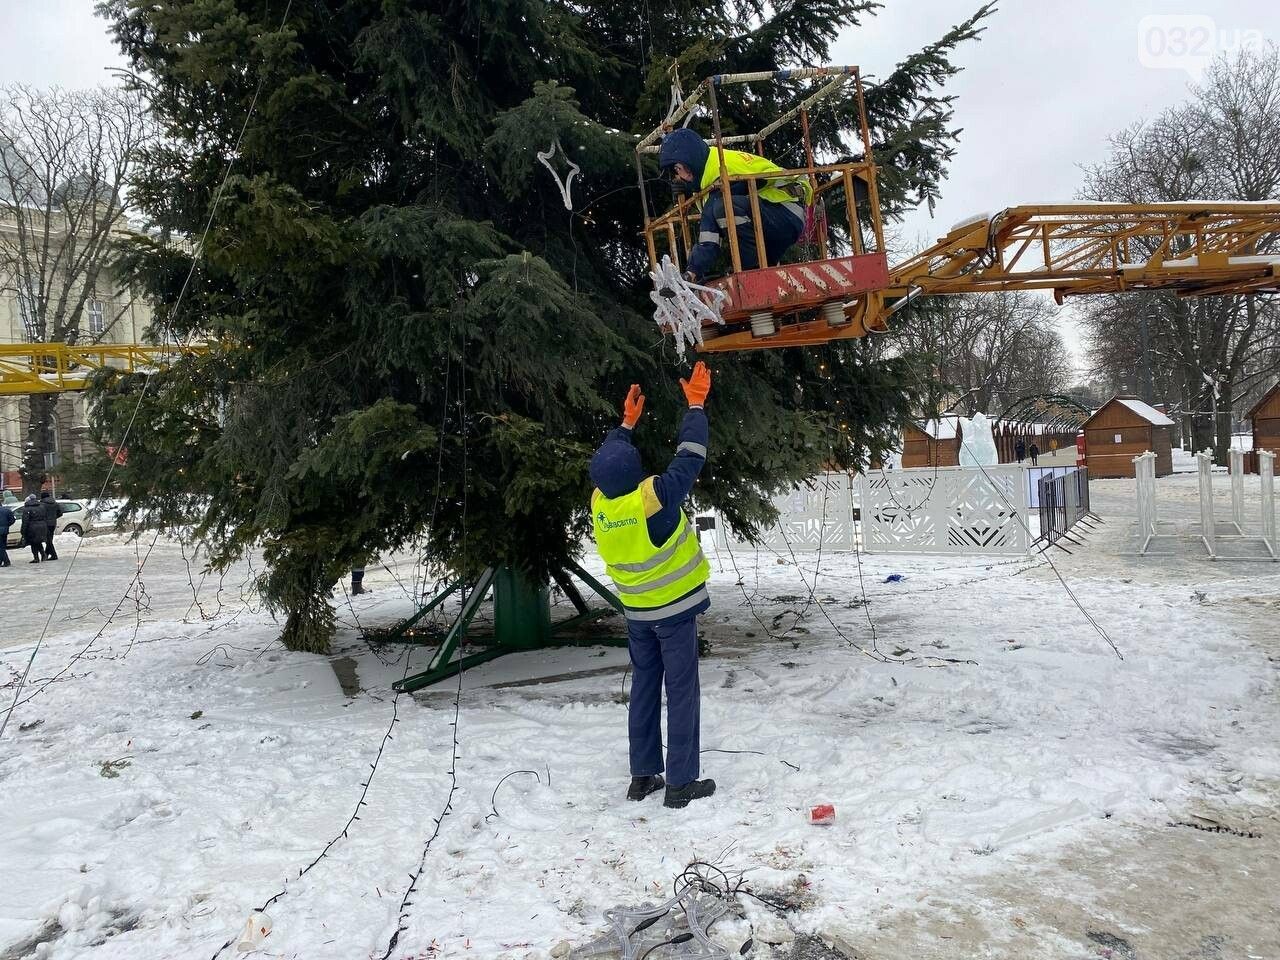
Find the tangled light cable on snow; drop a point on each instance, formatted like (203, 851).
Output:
(682, 306)
(678, 928)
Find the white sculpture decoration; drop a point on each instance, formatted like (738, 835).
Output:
(977, 444)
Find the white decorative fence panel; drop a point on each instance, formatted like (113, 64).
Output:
(955, 510)
(809, 519)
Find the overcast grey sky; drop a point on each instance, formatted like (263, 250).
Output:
(1045, 86)
(1040, 93)
(54, 43)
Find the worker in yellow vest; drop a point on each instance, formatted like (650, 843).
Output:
(651, 551)
(692, 165)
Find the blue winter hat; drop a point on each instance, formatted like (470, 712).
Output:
(616, 468)
(684, 146)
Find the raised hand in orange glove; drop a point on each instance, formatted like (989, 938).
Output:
(632, 407)
(698, 385)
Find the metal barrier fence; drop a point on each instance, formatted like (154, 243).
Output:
(1208, 526)
(1237, 489)
(1035, 474)
(1064, 501)
(1082, 492)
(1267, 470)
(1144, 469)
(1209, 534)
(1053, 508)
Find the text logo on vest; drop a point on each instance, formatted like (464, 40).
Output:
(608, 524)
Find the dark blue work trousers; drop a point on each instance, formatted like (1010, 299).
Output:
(780, 226)
(664, 652)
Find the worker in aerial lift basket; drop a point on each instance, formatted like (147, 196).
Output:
(651, 551)
(692, 165)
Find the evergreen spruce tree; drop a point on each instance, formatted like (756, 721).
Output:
(415, 341)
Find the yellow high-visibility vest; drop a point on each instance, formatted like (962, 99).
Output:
(653, 582)
(779, 189)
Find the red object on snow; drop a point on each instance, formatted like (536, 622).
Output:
(822, 813)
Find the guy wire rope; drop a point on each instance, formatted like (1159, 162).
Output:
(1070, 593)
(1054, 567)
(878, 653)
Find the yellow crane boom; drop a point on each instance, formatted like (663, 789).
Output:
(1194, 248)
(28, 368)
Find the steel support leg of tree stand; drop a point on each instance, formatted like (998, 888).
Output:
(521, 620)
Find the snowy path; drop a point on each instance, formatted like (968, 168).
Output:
(172, 780)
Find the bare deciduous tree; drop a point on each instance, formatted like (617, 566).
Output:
(990, 349)
(1207, 354)
(64, 158)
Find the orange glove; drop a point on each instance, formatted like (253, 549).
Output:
(698, 385)
(633, 406)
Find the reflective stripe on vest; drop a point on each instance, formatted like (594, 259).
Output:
(671, 609)
(652, 582)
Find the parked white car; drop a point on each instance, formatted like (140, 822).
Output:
(75, 519)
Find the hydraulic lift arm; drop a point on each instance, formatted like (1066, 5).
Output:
(1195, 249)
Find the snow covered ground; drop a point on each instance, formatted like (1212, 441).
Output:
(166, 774)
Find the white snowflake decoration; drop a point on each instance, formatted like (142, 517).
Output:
(682, 307)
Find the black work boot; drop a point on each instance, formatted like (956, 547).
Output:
(641, 787)
(693, 790)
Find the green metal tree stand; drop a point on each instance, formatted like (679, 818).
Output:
(521, 621)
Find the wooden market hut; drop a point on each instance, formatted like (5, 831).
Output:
(1265, 416)
(932, 443)
(1121, 429)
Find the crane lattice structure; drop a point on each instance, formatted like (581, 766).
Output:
(1194, 248)
(34, 368)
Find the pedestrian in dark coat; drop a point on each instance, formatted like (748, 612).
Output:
(1035, 453)
(1020, 449)
(33, 528)
(51, 514)
(6, 522)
